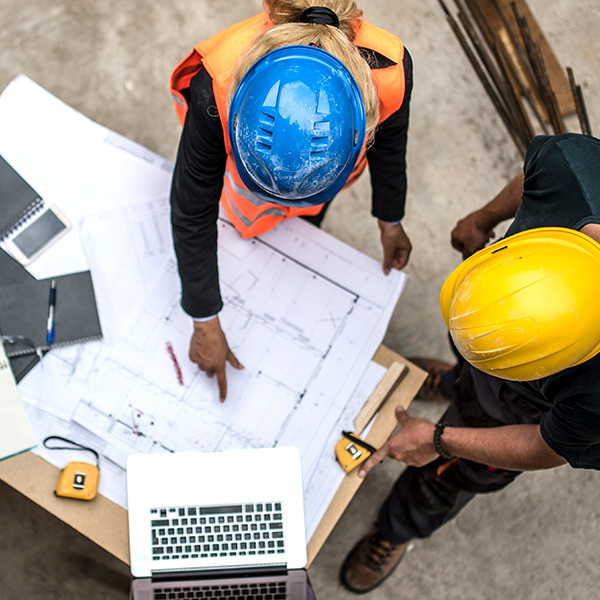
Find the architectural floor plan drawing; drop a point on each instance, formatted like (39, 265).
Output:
(303, 312)
(304, 338)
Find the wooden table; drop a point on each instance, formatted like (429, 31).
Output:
(105, 522)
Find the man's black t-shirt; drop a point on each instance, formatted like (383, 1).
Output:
(562, 189)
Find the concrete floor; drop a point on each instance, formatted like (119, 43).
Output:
(111, 60)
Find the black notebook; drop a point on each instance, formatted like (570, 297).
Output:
(12, 272)
(18, 200)
(24, 313)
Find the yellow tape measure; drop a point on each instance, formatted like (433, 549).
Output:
(351, 451)
(77, 480)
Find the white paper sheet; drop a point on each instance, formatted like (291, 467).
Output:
(303, 312)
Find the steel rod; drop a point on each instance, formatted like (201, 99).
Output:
(482, 76)
(505, 63)
(495, 77)
(582, 115)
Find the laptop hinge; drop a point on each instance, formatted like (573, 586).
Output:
(239, 572)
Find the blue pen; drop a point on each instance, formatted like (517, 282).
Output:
(51, 306)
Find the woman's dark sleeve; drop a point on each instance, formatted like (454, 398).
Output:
(387, 157)
(195, 192)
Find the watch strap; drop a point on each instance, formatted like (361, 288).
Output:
(437, 441)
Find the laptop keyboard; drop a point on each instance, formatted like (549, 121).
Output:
(217, 531)
(242, 591)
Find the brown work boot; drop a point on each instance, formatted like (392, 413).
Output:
(371, 561)
(431, 388)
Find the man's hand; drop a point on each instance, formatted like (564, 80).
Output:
(473, 232)
(396, 246)
(412, 445)
(210, 351)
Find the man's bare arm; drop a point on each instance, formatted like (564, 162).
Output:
(475, 230)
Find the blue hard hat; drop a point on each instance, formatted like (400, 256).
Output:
(296, 126)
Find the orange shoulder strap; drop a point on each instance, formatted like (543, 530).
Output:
(390, 80)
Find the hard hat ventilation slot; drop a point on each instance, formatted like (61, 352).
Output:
(264, 139)
(319, 145)
(320, 141)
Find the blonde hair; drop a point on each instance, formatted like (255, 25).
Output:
(287, 31)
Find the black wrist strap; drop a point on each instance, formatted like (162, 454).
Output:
(437, 441)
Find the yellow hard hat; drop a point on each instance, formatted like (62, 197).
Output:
(527, 306)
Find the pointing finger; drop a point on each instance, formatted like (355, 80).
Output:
(373, 460)
(222, 382)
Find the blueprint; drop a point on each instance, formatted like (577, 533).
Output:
(303, 312)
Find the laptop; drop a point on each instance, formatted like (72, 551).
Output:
(217, 525)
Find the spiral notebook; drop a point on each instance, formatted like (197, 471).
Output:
(18, 200)
(24, 313)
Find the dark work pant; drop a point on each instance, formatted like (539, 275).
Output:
(423, 499)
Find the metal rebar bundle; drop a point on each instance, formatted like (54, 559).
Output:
(520, 89)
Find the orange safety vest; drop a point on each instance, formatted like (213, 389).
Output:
(249, 214)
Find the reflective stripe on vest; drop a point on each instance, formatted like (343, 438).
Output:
(265, 215)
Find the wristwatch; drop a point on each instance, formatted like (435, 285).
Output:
(437, 441)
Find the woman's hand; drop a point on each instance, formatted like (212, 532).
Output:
(210, 351)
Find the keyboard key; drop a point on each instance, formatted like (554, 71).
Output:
(219, 510)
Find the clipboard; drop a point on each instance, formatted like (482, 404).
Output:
(398, 387)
